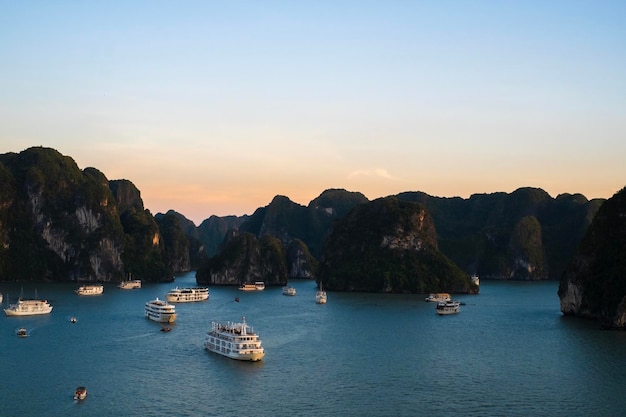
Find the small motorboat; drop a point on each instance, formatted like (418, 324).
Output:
(73, 319)
(22, 332)
(236, 299)
(80, 393)
(166, 329)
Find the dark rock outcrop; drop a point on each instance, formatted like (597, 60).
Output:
(300, 262)
(388, 245)
(60, 223)
(287, 220)
(524, 235)
(594, 284)
(245, 259)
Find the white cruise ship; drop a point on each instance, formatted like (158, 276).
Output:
(28, 308)
(289, 290)
(90, 290)
(448, 307)
(161, 311)
(437, 297)
(234, 340)
(257, 286)
(187, 295)
(130, 284)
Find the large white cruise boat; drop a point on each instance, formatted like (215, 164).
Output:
(161, 311)
(437, 297)
(28, 308)
(130, 284)
(289, 290)
(90, 289)
(257, 286)
(186, 295)
(447, 307)
(235, 341)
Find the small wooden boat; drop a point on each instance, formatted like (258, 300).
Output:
(80, 393)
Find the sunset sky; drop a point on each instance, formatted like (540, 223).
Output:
(215, 107)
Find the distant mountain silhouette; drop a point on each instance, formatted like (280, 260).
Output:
(60, 223)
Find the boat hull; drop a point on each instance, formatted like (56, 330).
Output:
(250, 356)
(161, 318)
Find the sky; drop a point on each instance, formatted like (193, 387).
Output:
(215, 107)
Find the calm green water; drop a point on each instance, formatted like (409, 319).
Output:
(509, 352)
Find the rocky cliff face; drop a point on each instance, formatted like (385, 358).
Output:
(63, 223)
(60, 223)
(245, 259)
(175, 243)
(594, 283)
(524, 235)
(388, 245)
(300, 263)
(287, 220)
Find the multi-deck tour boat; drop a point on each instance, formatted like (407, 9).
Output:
(437, 297)
(448, 307)
(161, 311)
(90, 290)
(257, 286)
(186, 295)
(28, 308)
(289, 290)
(130, 284)
(235, 341)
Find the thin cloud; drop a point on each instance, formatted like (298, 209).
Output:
(379, 172)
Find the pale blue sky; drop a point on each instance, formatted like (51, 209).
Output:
(215, 107)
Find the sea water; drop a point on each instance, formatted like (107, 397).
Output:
(509, 352)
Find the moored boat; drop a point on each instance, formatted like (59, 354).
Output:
(320, 295)
(289, 290)
(186, 295)
(234, 340)
(160, 311)
(437, 297)
(80, 393)
(130, 284)
(247, 287)
(28, 308)
(257, 286)
(447, 307)
(96, 289)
